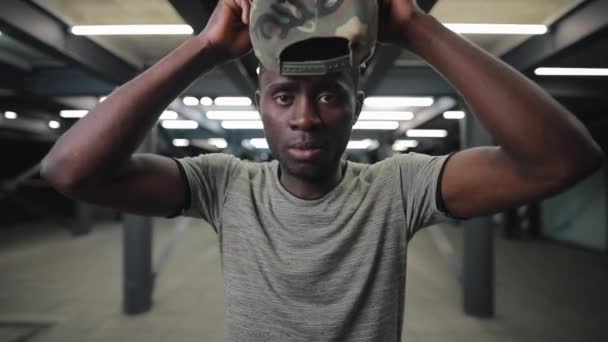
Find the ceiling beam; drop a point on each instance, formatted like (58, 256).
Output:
(385, 57)
(402, 81)
(240, 72)
(34, 26)
(576, 25)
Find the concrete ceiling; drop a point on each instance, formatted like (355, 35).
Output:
(146, 50)
(139, 50)
(495, 12)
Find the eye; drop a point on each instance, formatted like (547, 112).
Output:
(328, 98)
(283, 99)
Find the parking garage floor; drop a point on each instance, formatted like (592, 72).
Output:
(56, 288)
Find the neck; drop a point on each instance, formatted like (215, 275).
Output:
(310, 189)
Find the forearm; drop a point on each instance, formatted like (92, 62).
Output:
(101, 142)
(529, 125)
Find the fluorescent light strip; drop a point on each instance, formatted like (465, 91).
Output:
(179, 124)
(376, 125)
(259, 143)
(190, 101)
(454, 115)
(232, 101)
(233, 115)
(361, 144)
(395, 102)
(54, 124)
(571, 71)
(427, 133)
(73, 113)
(385, 115)
(403, 145)
(129, 30)
(181, 142)
(206, 101)
(250, 124)
(514, 29)
(220, 143)
(169, 115)
(10, 115)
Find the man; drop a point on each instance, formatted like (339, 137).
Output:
(313, 247)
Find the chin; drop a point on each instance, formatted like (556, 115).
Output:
(311, 172)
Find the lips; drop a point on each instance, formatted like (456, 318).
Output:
(305, 150)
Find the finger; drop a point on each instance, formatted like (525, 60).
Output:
(245, 8)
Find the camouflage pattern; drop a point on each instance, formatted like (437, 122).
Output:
(276, 24)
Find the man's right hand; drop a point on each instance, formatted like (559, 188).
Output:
(228, 29)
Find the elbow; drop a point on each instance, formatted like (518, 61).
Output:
(581, 166)
(56, 172)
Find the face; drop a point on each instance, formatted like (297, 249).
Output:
(308, 120)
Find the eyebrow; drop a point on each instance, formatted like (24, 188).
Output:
(285, 84)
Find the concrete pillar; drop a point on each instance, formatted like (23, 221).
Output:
(478, 256)
(83, 220)
(138, 279)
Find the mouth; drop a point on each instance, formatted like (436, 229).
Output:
(305, 150)
(306, 153)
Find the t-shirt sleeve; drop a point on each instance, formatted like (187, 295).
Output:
(208, 178)
(421, 190)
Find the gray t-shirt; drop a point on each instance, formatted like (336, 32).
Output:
(330, 269)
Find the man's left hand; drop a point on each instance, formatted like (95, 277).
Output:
(393, 20)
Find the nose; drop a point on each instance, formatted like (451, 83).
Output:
(304, 115)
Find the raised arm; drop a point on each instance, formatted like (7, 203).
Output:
(542, 148)
(94, 161)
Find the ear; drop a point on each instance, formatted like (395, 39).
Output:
(358, 105)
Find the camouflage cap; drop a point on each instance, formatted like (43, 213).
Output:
(281, 32)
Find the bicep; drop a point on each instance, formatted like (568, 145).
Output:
(484, 180)
(147, 185)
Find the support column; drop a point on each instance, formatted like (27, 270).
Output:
(478, 256)
(83, 219)
(138, 280)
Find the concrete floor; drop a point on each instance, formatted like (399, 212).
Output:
(62, 289)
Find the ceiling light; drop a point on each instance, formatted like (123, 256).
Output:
(181, 142)
(54, 124)
(232, 115)
(257, 70)
(180, 124)
(571, 71)
(259, 143)
(103, 98)
(396, 101)
(169, 115)
(10, 115)
(206, 101)
(112, 30)
(250, 124)
(190, 101)
(427, 133)
(497, 29)
(232, 101)
(73, 113)
(454, 114)
(362, 144)
(377, 125)
(386, 115)
(403, 145)
(220, 143)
